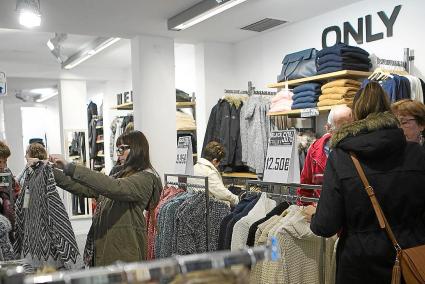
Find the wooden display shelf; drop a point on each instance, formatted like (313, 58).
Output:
(349, 74)
(296, 112)
(240, 175)
(126, 106)
(185, 104)
(187, 129)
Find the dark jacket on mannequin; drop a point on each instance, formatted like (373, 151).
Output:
(396, 170)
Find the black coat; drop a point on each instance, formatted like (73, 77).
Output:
(224, 127)
(396, 171)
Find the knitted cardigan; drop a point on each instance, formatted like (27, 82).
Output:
(43, 229)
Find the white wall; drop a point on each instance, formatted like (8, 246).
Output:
(13, 130)
(2, 128)
(153, 82)
(215, 71)
(259, 58)
(184, 55)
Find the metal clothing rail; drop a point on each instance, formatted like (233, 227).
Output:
(154, 270)
(266, 187)
(182, 182)
(408, 58)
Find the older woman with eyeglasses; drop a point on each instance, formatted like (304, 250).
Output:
(411, 115)
(118, 231)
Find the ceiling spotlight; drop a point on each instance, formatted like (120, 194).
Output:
(29, 13)
(54, 44)
(200, 12)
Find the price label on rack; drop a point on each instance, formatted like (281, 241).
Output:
(309, 112)
(184, 158)
(282, 162)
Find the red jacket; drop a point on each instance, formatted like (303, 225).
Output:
(314, 166)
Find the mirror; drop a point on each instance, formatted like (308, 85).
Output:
(76, 151)
(3, 86)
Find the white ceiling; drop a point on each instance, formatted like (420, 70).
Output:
(128, 18)
(83, 20)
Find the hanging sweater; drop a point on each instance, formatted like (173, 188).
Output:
(44, 234)
(6, 249)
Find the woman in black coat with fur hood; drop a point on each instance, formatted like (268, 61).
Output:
(395, 169)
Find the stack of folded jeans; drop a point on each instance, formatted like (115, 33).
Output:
(342, 57)
(282, 101)
(306, 96)
(341, 91)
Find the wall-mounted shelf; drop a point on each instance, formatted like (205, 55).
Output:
(346, 74)
(298, 112)
(240, 175)
(187, 129)
(185, 104)
(126, 106)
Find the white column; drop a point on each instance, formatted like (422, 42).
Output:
(73, 116)
(215, 66)
(154, 97)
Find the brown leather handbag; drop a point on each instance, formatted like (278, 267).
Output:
(409, 262)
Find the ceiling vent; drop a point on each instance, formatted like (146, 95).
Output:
(263, 25)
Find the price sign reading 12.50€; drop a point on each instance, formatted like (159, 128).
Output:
(184, 159)
(282, 162)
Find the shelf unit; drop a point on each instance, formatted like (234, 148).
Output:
(100, 141)
(191, 105)
(297, 112)
(126, 106)
(351, 74)
(313, 112)
(239, 175)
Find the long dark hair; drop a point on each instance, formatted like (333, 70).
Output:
(371, 99)
(138, 158)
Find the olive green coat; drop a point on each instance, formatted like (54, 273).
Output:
(120, 227)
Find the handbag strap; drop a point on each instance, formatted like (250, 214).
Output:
(383, 223)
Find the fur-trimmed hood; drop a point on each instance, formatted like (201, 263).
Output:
(374, 135)
(235, 100)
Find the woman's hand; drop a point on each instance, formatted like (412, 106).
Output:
(58, 161)
(308, 212)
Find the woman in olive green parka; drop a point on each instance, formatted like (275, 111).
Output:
(118, 231)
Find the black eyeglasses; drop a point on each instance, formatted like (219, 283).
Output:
(121, 149)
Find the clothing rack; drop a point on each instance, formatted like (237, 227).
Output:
(408, 58)
(268, 188)
(153, 270)
(251, 91)
(290, 195)
(182, 183)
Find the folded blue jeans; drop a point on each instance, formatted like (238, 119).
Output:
(335, 69)
(307, 87)
(340, 49)
(303, 105)
(357, 58)
(313, 94)
(305, 100)
(346, 66)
